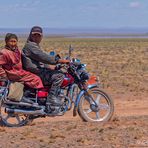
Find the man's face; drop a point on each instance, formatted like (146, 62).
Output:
(12, 43)
(36, 38)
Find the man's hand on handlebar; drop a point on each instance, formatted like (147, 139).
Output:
(63, 61)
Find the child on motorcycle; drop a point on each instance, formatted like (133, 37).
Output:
(11, 64)
(35, 61)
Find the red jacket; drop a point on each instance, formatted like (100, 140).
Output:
(3, 74)
(10, 62)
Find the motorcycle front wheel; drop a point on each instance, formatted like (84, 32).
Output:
(99, 111)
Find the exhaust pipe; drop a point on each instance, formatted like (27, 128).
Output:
(24, 104)
(27, 112)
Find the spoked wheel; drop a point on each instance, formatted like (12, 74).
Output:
(100, 110)
(11, 119)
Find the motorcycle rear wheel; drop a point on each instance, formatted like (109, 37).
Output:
(11, 119)
(88, 112)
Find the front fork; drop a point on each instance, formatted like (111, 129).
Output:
(86, 90)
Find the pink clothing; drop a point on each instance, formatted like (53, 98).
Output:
(11, 65)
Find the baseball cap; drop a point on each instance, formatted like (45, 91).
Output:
(36, 30)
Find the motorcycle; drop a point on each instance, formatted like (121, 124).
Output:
(90, 102)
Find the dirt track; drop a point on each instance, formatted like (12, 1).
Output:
(128, 128)
(122, 67)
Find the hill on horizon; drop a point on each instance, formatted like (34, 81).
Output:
(69, 31)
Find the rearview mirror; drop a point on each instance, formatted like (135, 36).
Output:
(70, 51)
(52, 53)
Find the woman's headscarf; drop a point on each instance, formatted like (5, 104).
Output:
(8, 37)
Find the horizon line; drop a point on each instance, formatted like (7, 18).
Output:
(126, 27)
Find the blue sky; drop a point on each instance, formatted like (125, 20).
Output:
(74, 13)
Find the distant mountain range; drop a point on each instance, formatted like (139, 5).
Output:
(74, 31)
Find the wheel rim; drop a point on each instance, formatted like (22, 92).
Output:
(12, 120)
(103, 104)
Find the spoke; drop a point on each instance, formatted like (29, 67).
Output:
(98, 99)
(104, 106)
(97, 115)
(18, 119)
(88, 111)
(7, 117)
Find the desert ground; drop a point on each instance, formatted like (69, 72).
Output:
(122, 66)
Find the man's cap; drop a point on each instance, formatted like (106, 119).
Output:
(36, 30)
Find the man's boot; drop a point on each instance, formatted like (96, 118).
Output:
(53, 104)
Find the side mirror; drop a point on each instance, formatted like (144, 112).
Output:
(52, 53)
(70, 51)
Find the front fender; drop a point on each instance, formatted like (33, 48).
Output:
(83, 91)
(92, 86)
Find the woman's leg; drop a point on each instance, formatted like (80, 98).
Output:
(32, 80)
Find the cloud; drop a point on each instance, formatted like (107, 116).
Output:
(135, 5)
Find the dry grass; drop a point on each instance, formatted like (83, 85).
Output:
(121, 64)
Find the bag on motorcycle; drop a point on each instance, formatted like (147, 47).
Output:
(15, 91)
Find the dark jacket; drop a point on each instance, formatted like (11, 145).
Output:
(34, 59)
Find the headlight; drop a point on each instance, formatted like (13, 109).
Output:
(84, 76)
(76, 61)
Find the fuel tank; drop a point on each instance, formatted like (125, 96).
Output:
(67, 80)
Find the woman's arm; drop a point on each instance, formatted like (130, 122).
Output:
(3, 75)
(3, 60)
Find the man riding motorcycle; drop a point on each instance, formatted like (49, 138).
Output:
(35, 61)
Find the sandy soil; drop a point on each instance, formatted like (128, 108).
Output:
(122, 66)
(127, 128)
